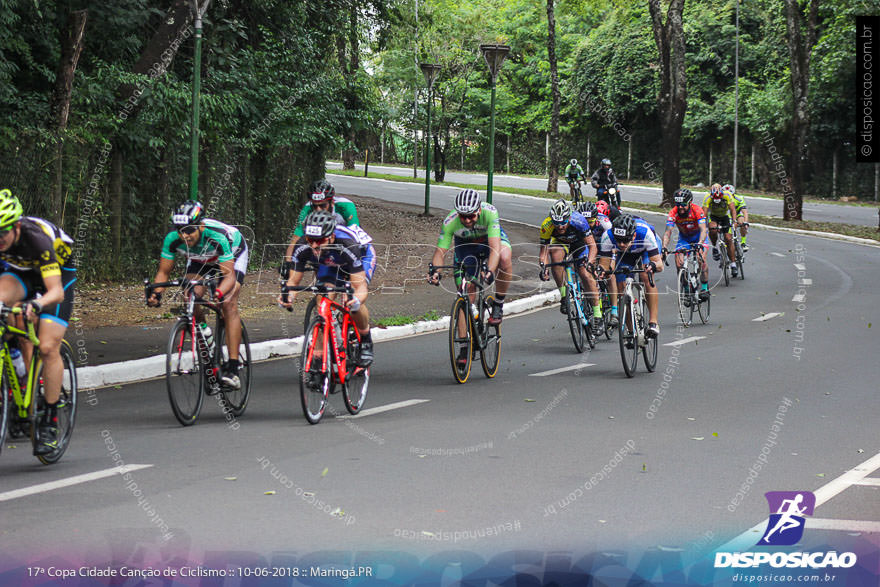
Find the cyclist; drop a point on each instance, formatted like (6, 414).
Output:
(474, 230)
(606, 209)
(343, 254)
(719, 209)
(742, 212)
(322, 196)
(574, 174)
(37, 259)
(691, 222)
(599, 224)
(632, 240)
(565, 231)
(602, 180)
(211, 248)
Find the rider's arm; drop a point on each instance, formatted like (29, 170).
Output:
(348, 211)
(593, 248)
(732, 209)
(163, 273)
(439, 253)
(594, 180)
(54, 290)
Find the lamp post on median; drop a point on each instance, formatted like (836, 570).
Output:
(494, 56)
(430, 70)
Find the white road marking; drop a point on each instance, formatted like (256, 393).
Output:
(800, 266)
(561, 370)
(799, 298)
(387, 408)
(869, 481)
(76, 480)
(843, 525)
(517, 205)
(778, 254)
(746, 540)
(768, 316)
(684, 341)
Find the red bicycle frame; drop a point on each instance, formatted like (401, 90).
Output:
(325, 309)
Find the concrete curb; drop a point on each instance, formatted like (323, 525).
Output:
(151, 367)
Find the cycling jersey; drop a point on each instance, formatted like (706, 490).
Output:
(739, 203)
(689, 224)
(351, 252)
(602, 225)
(604, 178)
(719, 209)
(488, 225)
(573, 172)
(41, 246)
(575, 232)
(219, 243)
(645, 245)
(346, 214)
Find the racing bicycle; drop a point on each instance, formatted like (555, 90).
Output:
(578, 310)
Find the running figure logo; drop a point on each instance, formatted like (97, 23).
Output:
(786, 526)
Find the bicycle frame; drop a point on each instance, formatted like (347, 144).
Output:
(22, 402)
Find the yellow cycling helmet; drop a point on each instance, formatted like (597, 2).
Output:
(10, 209)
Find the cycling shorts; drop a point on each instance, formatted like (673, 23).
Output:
(723, 222)
(32, 283)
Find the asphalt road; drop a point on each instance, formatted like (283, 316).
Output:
(862, 215)
(560, 464)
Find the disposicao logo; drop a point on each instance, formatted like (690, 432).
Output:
(786, 526)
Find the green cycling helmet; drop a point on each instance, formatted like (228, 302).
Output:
(10, 209)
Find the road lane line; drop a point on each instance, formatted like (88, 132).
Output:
(684, 341)
(869, 481)
(778, 254)
(517, 205)
(843, 525)
(561, 370)
(746, 540)
(386, 408)
(768, 316)
(76, 480)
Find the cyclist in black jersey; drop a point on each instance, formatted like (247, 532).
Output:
(38, 264)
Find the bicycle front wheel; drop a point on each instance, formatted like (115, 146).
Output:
(354, 390)
(704, 308)
(725, 264)
(314, 382)
(490, 358)
(5, 400)
(685, 298)
(575, 321)
(606, 313)
(629, 347)
(649, 351)
(740, 257)
(235, 400)
(461, 346)
(184, 373)
(66, 407)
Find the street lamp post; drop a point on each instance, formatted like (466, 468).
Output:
(494, 56)
(430, 70)
(196, 86)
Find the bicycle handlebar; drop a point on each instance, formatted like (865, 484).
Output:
(317, 288)
(628, 271)
(478, 282)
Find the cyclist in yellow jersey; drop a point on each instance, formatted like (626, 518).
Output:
(742, 213)
(719, 209)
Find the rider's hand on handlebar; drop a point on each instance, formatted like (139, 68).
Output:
(154, 300)
(488, 276)
(285, 300)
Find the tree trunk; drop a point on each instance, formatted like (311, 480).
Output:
(553, 163)
(508, 153)
(116, 204)
(349, 72)
(672, 100)
(799, 49)
(711, 145)
(629, 157)
(752, 178)
(70, 37)
(244, 195)
(439, 160)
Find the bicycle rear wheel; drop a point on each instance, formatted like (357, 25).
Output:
(740, 256)
(460, 345)
(5, 400)
(314, 382)
(184, 373)
(629, 348)
(685, 298)
(704, 308)
(575, 321)
(725, 262)
(66, 407)
(490, 357)
(649, 351)
(354, 390)
(589, 333)
(235, 400)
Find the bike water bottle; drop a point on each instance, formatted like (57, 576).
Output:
(338, 334)
(209, 336)
(475, 312)
(18, 363)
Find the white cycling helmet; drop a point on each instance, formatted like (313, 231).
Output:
(573, 162)
(560, 212)
(467, 201)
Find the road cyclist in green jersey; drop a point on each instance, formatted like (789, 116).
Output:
(742, 213)
(37, 267)
(574, 174)
(322, 196)
(210, 248)
(473, 229)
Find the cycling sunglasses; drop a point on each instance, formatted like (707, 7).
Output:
(191, 229)
(318, 241)
(468, 216)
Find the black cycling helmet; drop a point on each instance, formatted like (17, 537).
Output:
(319, 224)
(321, 191)
(606, 161)
(587, 209)
(683, 197)
(624, 227)
(187, 214)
